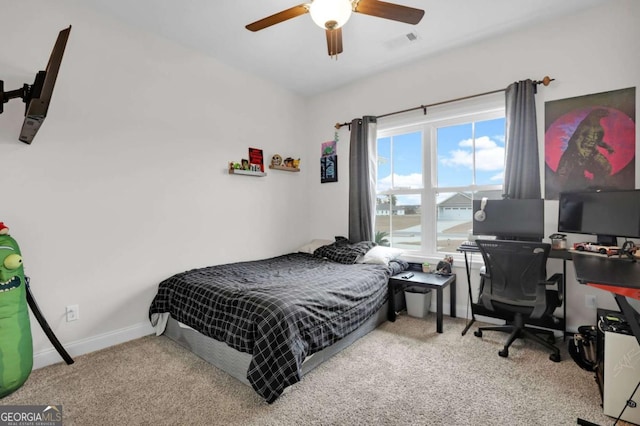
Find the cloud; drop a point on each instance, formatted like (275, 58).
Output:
(489, 155)
(489, 158)
(414, 180)
(498, 178)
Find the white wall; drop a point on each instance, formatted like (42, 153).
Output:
(126, 182)
(592, 52)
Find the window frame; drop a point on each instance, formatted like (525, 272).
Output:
(470, 111)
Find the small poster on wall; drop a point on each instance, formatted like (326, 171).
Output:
(329, 168)
(329, 162)
(328, 148)
(256, 158)
(590, 142)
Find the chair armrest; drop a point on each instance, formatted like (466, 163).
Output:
(484, 277)
(556, 278)
(559, 280)
(541, 294)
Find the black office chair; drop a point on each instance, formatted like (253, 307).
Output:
(515, 286)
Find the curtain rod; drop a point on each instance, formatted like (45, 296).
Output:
(546, 80)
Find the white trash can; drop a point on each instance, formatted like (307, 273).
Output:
(418, 301)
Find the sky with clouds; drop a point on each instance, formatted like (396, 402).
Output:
(455, 156)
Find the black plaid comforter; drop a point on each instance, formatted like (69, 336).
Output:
(279, 310)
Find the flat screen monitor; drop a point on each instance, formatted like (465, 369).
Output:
(37, 96)
(510, 219)
(607, 214)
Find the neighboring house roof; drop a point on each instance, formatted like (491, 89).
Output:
(459, 199)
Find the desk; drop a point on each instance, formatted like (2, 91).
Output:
(422, 279)
(479, 309)
(619, 276)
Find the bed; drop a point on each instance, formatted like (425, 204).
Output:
(276, 318)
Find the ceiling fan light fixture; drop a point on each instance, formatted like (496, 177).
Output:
(330, 14)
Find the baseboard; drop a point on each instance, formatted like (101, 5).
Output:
(91, 344)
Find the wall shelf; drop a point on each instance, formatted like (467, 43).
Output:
(246, 172)
(285, 169)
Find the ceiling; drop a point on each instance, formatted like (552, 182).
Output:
(293, 54)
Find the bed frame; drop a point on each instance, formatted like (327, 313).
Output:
(236, 363)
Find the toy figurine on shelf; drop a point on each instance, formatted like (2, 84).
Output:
(287, 164)
(444, 266)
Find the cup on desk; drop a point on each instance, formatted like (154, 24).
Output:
(558, 241)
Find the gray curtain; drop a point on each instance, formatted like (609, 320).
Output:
(522, 166)
(362, 179)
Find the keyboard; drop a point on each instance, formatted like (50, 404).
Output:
(468, 246)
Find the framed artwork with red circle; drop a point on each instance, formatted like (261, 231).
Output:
(590, 142)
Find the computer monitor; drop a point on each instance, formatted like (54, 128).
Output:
(607, 214)
(521, 219)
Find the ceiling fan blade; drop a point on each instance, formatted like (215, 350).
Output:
(276, 18)
(334, 41)
(391, 11)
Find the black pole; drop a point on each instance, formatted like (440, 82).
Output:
(45, 326)
(473, 317)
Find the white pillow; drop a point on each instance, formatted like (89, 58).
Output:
(313, 245)
(380, 255)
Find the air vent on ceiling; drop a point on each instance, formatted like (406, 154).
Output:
(403, 40)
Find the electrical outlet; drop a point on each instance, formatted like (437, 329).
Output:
(590, 301)
(73, 313)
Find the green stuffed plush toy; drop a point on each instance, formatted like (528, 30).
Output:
(16, 347)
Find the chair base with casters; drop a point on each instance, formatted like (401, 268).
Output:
(517, 329)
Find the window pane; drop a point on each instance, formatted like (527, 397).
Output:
(454, 220)
(382, 226)
(490, 152)
(384, 164)
(407, 160)
(406, 222)
(455, 155)
(398, 221)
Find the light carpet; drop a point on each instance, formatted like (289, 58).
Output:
(402, 373)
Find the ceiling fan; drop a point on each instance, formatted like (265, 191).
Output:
(333, 14)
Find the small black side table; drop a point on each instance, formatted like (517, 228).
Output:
(423, 279)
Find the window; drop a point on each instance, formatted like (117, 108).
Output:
(431, 168)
